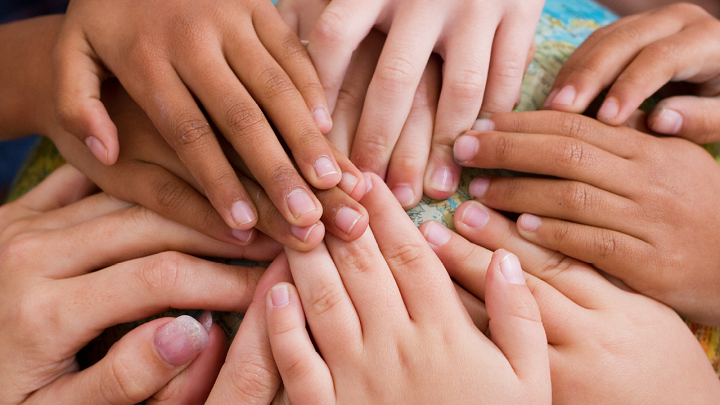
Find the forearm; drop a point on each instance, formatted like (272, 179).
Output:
(26, 76)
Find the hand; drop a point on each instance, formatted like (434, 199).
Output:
(239, 60)
(150, 173)
(606, 345)
(636, 206)
(60, 287)
(462, 32)
(390, 328)
(635, 57)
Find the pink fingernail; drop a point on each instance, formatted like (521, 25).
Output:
(529, 222)
(465, 148)
(280, 296)
(566, 96)
(437, 234)
(511, 270)
(368, 183)
(483, 124)
(322, 119)
(180, 340)
(242, 213)
(302, 232)
(668, 122)
(243, 236)
(478, 187)
(549, 99)
(97, 148)
(609, 108)
(348, 183)
(206, 320)
(324, 167)
(442, 179)
(300, 202)
(346, 219)
(475, 216)
(404, 194)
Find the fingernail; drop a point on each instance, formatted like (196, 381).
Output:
(302, 232)
(346, 219)
(609, 108)
(483, 124)
(242, 213)
(529, 222)
(437, 234)
(205, 320)
(668, 122)
(305, 42)
(475, 216)
(478, 187)
(322, 119)
(566, 96)
(243, 235)
(280, 296)
(465, 148)
(180, 340)
(324, 167)
(442, 179)
(368, 183)
(300, 202)
(97, 148)
(549, 99)
(511, 270)
(404, 194)
(348, 183)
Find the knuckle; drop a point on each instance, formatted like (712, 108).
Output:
(330, 27)
(164, 272)
(409, 254)
(576, 197)
(251, 378)
(355, 259)
(122, 384)
(573, 125)
(243, 117)
(395, 75)
(662, 50)
(283, 175)
(324, 298)
(20, 251)
(351, 98)
(570, 153)
(274, 82)
(683, 8)
(503, 149)
(606, 244)
(373, 143)
(470, 84)
(192, 133)
(171, 194)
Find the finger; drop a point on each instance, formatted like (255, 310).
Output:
(249, 375)
(342, 216)
(337, 33)
(487, 228)
(555, 198)
(651, 69)
(426, 289)
(410, 156)
(305, 375)
(515, 323)
(475, 308)
(330, 312)
(193, 385)
(688, 117)
(353, 180)
(78, 73)
(391, 93)
(137, 366)
(285, 47)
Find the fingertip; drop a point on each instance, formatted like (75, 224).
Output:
(307, 237)
(511, 270)
(666, 121)
(323, 120)
(244, 237)
(179, 341)
(441, 180)
(327, 172)
(435, 233)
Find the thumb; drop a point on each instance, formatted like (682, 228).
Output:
(78, 76)
(515, 324)
(136, 367)
(690, 117)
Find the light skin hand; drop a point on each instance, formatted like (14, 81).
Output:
(483, 67)
(606, 345)
(635, 57)
(74, 265)
(638, 207)
(390, 327)
(241, 63)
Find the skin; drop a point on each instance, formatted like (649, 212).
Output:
(638, 207)
(482, 69)
(607, 345)
(236, 59)
(636, 56)
(58, 292)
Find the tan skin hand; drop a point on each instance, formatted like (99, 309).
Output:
(638, 207)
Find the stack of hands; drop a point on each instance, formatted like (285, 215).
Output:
(358, 306)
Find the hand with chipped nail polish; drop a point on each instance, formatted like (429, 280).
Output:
(636, 56)
(637, 206)
(441, 65)
(75, 263)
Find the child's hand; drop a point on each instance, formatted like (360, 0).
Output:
(150, 173)
(636, 206)
(60, 287)
(239, 60)
(465, 33)
(635, 57)
(390, 328)
(607, 345)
